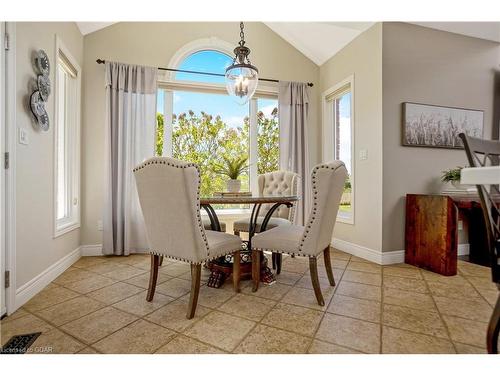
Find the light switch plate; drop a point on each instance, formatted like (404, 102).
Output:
(23, 136)
(363, 154)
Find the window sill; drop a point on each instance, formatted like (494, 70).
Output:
(66, 228)
(345, 219)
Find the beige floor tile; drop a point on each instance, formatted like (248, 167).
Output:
(68, 311)
(419, 321)
(49, 297)
(355, 308)
(451, 280)
(138, 305)
(221, 330)
(174, 287)
(269, 340)
(142, 280)
(397, 341)
(247, 306)
(293, 318)
(123, 273)
(24, 325)
(321, 347)
(99, 324)
(55, 342)
(413, 273)
(482, 283)
(337, 254)
(140, 337)
(185, 345)
(408, 299)
(475, 309)
(469, 349)
(90, 284)
(306, 298)
(363, 277)
(364, 267)
(176, 269)
(71, 275)
(471, 269)
(212, 297)
(352, 333)
(19, 313)
(306, 283)
(205, 274)
(405, 283)
(288, 278)
(490, 296)
(451, 290)
(88, 350)
(358, 259)
(173, 316)
(294, 265)
(274, 292)
(144, 265)
(134, 259)
(339, 263)
(466, 331)
(86, 262)
(106, 267)
(357, 290)
(114, 293)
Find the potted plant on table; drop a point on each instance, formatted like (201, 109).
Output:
(453, 176)
(233, 168)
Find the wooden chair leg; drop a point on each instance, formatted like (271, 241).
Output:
(273, 257)
(161, 261)
(195, 289)
(313, 267)
(236, 233)
(493, 329)
(153, 276)
(279, 260)
(236, 271)
(255, 269)
(328, 266)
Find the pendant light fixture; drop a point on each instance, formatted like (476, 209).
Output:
(241, 76)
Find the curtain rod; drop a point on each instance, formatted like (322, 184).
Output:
(101, 61)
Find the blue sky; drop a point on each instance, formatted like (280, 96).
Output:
(214, 104)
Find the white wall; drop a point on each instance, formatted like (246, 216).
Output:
(154, 44)
(363, 59)
(36, 249)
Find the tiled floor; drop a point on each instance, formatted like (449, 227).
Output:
(99, 306)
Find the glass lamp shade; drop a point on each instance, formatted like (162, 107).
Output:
(241, 82)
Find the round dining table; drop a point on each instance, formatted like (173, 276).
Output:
(221, 268)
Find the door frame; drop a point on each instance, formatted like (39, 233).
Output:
(8, 144)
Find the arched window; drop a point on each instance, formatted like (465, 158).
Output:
(209, 61)
(199, 122)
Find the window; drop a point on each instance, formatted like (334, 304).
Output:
(197, 121)
(338, 139)
(67, 142)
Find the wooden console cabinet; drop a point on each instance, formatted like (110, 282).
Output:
(431, 238)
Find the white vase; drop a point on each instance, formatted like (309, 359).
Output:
(233, 186)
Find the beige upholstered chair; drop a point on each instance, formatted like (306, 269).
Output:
(273, 183)
(327, 186)
(169, 193)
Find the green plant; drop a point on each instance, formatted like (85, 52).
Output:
(232, 167)
(451, 175)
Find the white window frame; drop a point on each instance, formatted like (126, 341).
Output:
(168, 84)
(71, 222)
(329, 141)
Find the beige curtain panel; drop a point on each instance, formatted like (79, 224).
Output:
(293, 99)
(130, 139)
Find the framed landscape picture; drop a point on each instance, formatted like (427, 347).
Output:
(427, 125)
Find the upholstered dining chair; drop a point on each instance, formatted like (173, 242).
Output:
(273, 183)
(169, 194)
(313, 238)
(481, 153)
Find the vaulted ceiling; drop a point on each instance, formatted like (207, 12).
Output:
(319, 41)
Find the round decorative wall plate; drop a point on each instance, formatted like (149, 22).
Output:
(42, 62)
(37, 106)
(43, 86)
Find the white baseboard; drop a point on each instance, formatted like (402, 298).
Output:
(91, 250)
(463, 249)
(35, 285)
(383, 258)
